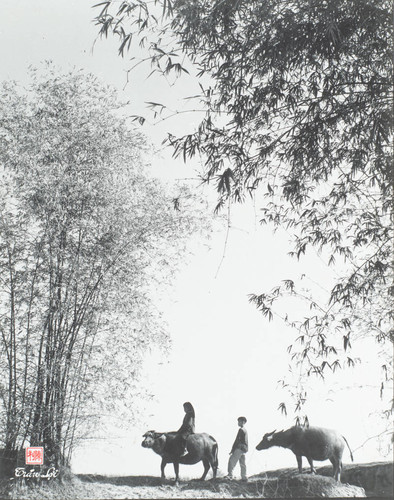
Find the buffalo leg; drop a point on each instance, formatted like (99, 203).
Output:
(206, 469)
(215, 470)
(214, 465)
(313, 470)
(337, 465)
(299, 462)
(339, 471)
(176, 469)
(163, 466)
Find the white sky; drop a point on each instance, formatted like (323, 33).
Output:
(226, 357)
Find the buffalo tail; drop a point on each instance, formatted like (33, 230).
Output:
(351, 454)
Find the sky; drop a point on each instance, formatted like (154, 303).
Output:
(226, 358)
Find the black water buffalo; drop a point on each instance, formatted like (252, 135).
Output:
(199, 447)
(314, 443)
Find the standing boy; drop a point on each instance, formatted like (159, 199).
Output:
(237, 453)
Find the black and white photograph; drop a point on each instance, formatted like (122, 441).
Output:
(196, 249)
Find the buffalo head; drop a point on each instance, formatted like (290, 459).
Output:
(154, 440)
(266, 442)
(149, 439)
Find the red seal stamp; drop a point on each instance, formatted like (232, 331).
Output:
(35, 455)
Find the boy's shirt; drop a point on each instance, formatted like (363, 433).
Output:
(241, 441)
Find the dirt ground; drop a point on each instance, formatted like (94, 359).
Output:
(100, 487)
(365, 480)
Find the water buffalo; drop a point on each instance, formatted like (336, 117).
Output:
(199, 447)
(314, 443)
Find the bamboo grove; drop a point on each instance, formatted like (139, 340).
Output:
(85, 235)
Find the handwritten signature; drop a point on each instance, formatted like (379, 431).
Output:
(51, 473)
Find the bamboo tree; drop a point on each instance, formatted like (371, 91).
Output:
(296, 101)
(80, 220)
